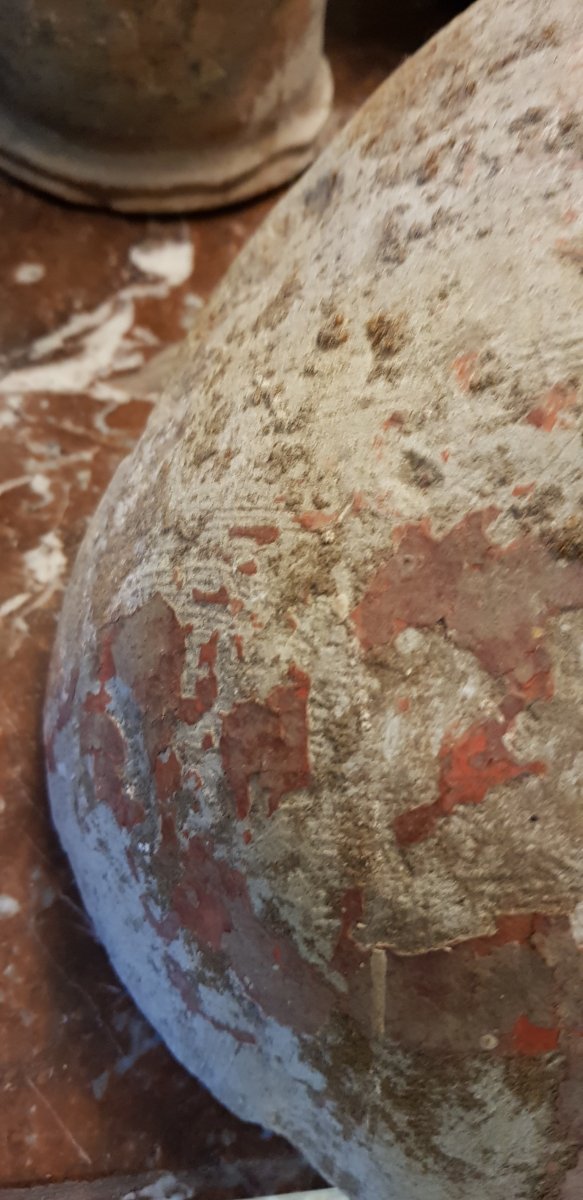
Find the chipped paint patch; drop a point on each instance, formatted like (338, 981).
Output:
(577, 924)
(489, 599)
(265, 743)
(263, 535)
(551, 410)
(472, 763)
(530, 1039)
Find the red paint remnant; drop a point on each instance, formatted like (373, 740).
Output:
(492, 600)
(101, 740)
(359, 502)
(264, 535)
(247, 837)
(463, 367)
(207, 655)
(530, 1040)
(472, 764)
(221, 596)
(256, 621)
(547, 414)
(315, 521)
(396, 420)
(348, 954)
(206, 686)
(239, 646)
(476, 762)
(266, 742)
(248, 568)
(98, 701)
(192, 708)
(197, 898)
(571, 249)
(168, 776)
(236, 606)
(147, 651)
(514, 928)
(510, 706)
(291, 621)
(402, 704)
(208, 741)
(445, 455)
(213, 903)
(523, 489)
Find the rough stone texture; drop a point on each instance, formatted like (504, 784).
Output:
(171, 105)
(313, 727)
(87, 1087)
(90, 305)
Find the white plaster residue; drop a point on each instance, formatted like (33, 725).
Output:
(46, 562)
(489, 1041)
(408, 641)
(90, 345)
(9, 907)
(167, 1187)
(378, 973)
(192, 300)
(145, 335)
(41, 485)
(393, 739)
(577, 924)
(29, 272)
(171, 261)
(83, 354)
(13, 603)
(8, 419)
(321, 1194)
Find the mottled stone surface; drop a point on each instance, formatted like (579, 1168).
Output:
(87, 301)
(314, 720)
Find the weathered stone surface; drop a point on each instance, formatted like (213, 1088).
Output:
(314, 720)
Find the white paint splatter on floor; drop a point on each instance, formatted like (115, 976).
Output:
(29, 272)
(91, 347)
(9, 907)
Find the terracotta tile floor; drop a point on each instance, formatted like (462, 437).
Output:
(89, 304)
